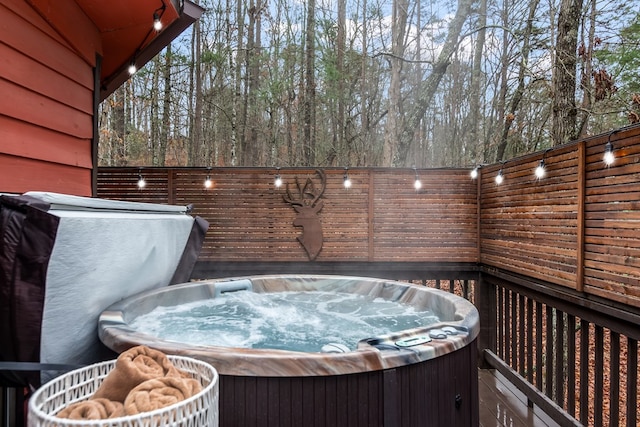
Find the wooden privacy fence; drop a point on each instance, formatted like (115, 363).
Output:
(380, 218)
(576, 227)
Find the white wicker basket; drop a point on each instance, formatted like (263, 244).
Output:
(200, 410)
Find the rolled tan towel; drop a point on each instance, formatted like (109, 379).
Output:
(160, 392)
(134, 366)
(93, 409)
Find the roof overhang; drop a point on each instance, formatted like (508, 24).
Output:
(127, 34)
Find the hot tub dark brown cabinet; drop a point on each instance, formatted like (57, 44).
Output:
(437, 392)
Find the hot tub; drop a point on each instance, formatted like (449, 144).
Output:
(423, 376)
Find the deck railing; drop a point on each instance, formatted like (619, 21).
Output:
(576, 358)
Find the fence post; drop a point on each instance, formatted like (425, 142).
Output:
(486, 305)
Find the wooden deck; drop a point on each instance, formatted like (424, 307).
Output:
(502, 404)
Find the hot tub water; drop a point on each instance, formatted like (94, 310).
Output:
(296, 321)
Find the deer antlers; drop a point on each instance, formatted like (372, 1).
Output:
(307, 195)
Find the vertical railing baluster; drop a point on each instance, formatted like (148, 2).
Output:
(598, 384)
(549, 352)
(632, 381)
(500, 322)
(571, 365)
(521, 336)
(539, 334)
(559, 358)
(530, 345)
(507, 326)
(584, 372)
(514, 330)
(614, 379)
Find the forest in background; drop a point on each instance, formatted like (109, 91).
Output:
(392, 83)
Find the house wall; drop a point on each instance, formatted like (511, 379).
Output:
(46, 97)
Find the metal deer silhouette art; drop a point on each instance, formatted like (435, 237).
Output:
(307, 204)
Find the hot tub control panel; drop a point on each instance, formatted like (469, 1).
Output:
(422, 339)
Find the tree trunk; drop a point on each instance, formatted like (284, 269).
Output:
(476, 77)
(364, 83)
(586, 54)
(564, 76)
(501, 101)
(154, 111)
(166, 108)
(250, 143)
(428, 87)
(118, 119)
(517, 96)
(394, 116)
(309, 118)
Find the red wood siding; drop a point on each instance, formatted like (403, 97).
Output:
(46, 100)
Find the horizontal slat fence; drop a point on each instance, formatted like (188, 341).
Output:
(576, 227)
(529, 225)
(612, 218)
(380, 218)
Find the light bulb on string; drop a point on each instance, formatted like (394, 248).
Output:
(141, 181)
(346, 180)
(540, 170)
(416, 183)
(608, 156)
(474, 173)
(277, 182)
(157, 17)
(157, 23)
(208, 183)
(499, 177)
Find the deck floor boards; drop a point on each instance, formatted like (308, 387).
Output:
(503, 405)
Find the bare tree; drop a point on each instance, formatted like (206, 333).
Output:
(309, 105)
(429, 86)
(564, 73)
(394, 123)
(516, 97)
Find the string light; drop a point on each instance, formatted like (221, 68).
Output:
(141, 182)
(346, 179)
(474, 172)
(157, 23)
(132, 67)
(499, 177)
(540, 170)
(416, 183)
(277, 182)
(157, 17)
(208, 183)
(608, 156)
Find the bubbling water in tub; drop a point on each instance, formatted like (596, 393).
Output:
(297, 321)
